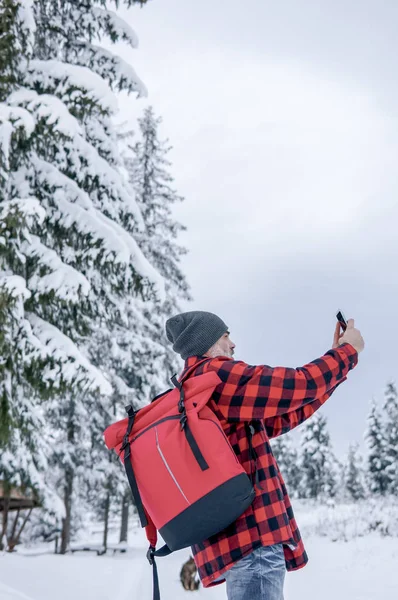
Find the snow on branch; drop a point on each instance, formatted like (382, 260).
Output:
(112, 68)
(76, 206)
(97, 168)
(15, 286)
(103, 137)
(48, 107)
(29, 208)
(115, 26)
(64, 280)
(55, 344)
(55, 178)
(121, 387)
(11, 119)
(64, 79)
(139, 261)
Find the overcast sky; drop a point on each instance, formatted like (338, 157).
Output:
(283, 121)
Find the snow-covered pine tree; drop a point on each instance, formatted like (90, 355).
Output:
(67, 211)
(318, 464)
(148, 167)
(287, 457)
(354, 475)
(376, 471)
(391, 436)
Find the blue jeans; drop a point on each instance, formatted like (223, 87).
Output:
(258, 576)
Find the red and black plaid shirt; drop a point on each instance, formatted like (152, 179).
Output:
(279, 398)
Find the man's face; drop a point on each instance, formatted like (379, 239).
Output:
(223, 347)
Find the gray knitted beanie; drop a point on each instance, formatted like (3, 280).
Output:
(194, 333)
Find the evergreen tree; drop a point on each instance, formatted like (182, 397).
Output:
(354, 474)
(376, 475)
(318, 465)
(67, 247)
(391, 436)
(287, 457)
(148, 168)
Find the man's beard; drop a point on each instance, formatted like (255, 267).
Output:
(217, 350)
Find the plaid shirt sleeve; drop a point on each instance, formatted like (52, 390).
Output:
(275, 426)
(261, 392)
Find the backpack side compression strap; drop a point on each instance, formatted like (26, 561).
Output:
(129, 468)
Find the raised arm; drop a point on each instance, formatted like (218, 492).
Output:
(275, 426)
(261, 392)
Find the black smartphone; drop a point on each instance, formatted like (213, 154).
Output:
(342, 320)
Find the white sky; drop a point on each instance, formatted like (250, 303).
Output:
(283, 122)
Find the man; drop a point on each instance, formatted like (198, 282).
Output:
(258, 403)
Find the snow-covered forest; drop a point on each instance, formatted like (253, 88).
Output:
(90, 271)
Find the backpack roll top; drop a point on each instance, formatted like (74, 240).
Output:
(198, 392)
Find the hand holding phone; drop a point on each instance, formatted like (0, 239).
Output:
(350, 334)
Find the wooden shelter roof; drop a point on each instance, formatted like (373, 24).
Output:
(19, 500)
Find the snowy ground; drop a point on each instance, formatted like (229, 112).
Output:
(362, 569)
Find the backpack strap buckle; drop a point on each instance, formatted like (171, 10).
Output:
(183, 420)
(126, 443)
(175, 382)
(181, 402)
(179, 386)
(151, 554)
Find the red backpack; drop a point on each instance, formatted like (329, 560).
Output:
(186, 480)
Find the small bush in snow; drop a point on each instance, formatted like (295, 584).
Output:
(347, 521)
